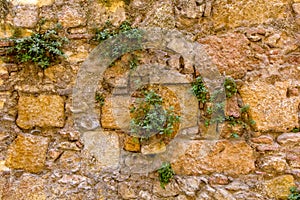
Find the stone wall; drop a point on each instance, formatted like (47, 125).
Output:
(257, 42)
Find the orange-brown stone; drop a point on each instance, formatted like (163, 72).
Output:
(27, 152)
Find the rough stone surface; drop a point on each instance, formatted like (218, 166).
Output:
(72, 16)
(256, 42)
(171, 189)
(153, 148)
(104, 146)
(30, 13)
(132, 144)
(162, 15)
(264, 139)
(226, 157)
(296, 8)
(28, 152)
(293, 157)
(232, 108)
(231, 53)
(269, 106)
(41, 111)
(272, 163)
(126, 191)
(116, 113)
(237, 13)
(279, 187)
(289, 138)
(39, 3)
(27, 187)
(218, 179)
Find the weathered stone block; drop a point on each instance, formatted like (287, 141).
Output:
(296, 8)
(231, 53)
(279, 187)
(270, 107)
(162, 15)
(27, 152)
(289, 138)
(203, 157)
(132, 144)
(104, 145)
(41, 111)
(153, 148)
(115, 113)
(72, 16)
(30, 13)
(243, 12)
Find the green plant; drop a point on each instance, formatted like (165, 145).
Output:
(294, 194)
(119, 45)
(199, 90)
(252, 122)
(165, 174)
(296, 130)
(133, 63)
(235, 135)
(149, 117)
(245, 108)
(230, 87)
(41, 49)
(110, 31)
(100, 99)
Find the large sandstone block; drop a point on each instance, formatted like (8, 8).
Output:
(27, 152)
(270, 107)
(30, 13)
(41, 111)
(71, 16)
(244, 12)
(104, 146)
(204, 157)
(279, 187)
(231, 53)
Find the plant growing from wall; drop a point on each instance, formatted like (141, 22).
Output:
(199, 90)
(149, 117)
(99, 97)
(230, 87)
(125, 33)
(41, 49)
(294, 194)
(165, 174)
(110, 31)
(296, 130)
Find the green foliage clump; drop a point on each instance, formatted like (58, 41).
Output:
(110, 31)
(165, 174)
(230, 87)
(296, 130)
(40, 48)
(199, 90)
(100, 99)
(235, 135)
(129, 39)
(294, 194)
(133, 63)
(245, 108)
(149, 117)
